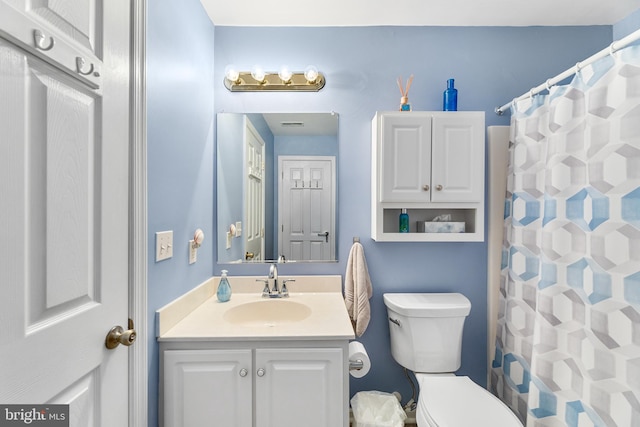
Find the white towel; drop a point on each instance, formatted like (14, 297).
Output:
(357, 289)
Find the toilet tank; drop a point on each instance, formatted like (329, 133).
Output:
(426, 330)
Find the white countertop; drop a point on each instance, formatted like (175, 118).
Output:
(199, 316)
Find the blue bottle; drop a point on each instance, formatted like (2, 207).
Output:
(404, 221)
(450, 97)
(224, 289)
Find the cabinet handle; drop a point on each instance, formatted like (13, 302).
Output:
(260, 372)
(243, 372)
(425, 187)
(439, 187)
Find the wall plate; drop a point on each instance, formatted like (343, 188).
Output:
(164, 245)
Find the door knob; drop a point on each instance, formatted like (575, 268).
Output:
(260, 372)
(243, 372)
(326, 236)
(425, 187)
(117, 335)
(439, 187)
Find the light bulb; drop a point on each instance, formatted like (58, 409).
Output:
(285, 74)
(311, 74)
(258, 74)
(231, 73)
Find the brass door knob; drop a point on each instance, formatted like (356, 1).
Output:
(117, 335)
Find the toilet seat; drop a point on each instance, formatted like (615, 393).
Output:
(452, 401)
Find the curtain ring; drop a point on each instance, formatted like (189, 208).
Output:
(578, 66)
(548, 85)
(531, 93)
(612, 50)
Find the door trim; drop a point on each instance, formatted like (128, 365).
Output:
(138, 354)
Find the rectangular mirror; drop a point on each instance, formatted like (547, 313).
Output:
(277, 187)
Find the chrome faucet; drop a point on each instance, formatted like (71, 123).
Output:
(271, 286)
(273, 275)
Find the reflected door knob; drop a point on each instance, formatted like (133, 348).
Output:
(117, 335)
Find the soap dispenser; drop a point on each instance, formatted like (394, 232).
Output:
(224, 289)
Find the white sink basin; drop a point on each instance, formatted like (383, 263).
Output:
(268, 312)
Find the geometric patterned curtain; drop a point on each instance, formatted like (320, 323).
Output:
(568, 331)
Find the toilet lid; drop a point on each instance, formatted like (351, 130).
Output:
(451, 401)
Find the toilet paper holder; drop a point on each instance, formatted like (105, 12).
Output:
(356, 365)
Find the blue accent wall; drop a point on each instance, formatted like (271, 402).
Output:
(180, 141)
(627, 26)
(361, 64)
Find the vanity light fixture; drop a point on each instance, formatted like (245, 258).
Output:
(257, 80)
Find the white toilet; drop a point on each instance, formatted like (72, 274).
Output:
(426, 337)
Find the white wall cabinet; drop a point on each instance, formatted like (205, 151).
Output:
(254, 387)
(431, 163)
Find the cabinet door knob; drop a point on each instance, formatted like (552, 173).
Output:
(243, 372)
(260, 372)
(439, 187)
(425, 187)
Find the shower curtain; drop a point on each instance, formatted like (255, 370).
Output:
(568, 332)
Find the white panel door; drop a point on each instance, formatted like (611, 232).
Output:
(254, 190)
(306, 208)
(207, 387)
(297, 387)
(405, 162)
(64, 206)
(458, 157)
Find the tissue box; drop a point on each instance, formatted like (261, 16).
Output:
(440, 227)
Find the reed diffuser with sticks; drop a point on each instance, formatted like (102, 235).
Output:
(404, 94)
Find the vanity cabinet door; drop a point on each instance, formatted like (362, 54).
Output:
(207, 387)
(299, 387)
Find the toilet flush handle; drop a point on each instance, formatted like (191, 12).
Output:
(397, 322)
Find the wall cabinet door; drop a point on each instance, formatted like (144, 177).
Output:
(431, 157)
(405, 161)
(207, 387)
(299, 387)
(457, 173)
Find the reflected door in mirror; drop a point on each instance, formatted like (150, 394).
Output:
(306, 214)
(254, 190)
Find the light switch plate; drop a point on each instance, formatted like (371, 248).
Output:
(164, 245)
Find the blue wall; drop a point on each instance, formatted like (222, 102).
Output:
(180, 157)
(627, 26)
(491, 66)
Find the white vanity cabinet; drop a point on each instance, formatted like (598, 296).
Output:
(431, 163)
(258, 385)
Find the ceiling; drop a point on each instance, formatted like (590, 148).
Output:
(418, 12)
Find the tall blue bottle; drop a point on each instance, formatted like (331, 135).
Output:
(450, 97)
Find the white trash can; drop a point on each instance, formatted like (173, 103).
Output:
(377, 409)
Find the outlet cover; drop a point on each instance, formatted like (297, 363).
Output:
(193, 252)
(164, 245)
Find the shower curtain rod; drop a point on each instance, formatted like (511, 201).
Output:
(613, 47)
